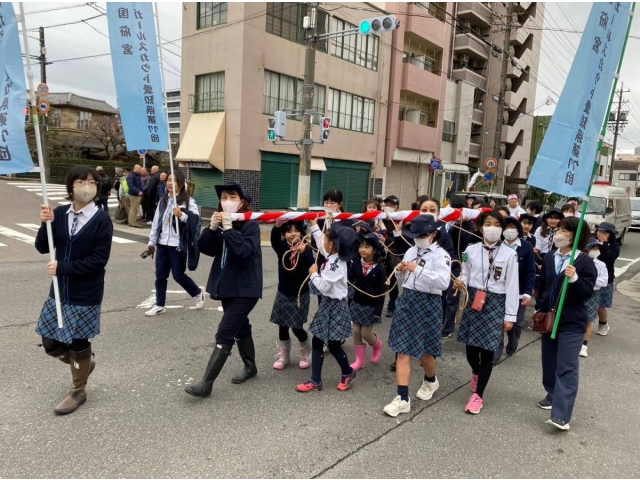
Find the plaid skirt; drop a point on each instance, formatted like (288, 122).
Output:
(483, 329)
(77, 322)
(606, 296)
(332, 321)
(314, 290)
(592, 306)
(416, 326)
(286, 312)
(362, 314)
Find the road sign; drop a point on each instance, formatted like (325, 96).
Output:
(43, 107)
(141, 152)
(489, 176)
(435, 164)
(43, 90)
(491, 163)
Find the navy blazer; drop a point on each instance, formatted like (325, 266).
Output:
(526, 268)
(289, 282)
(374, 284)
(574, 312)
(609, 253)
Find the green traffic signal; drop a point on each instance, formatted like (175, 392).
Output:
(272, 135)
(365, 27)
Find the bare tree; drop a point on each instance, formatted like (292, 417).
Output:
(415, 170)
(108, 131)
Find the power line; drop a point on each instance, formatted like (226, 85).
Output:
(68, 23)
(58, 8)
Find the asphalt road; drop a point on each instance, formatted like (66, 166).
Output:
(138, 422)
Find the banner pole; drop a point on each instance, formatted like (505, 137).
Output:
(43, 181)
(166, 108)
(585, 205)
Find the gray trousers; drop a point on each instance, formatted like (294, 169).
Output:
(513, 336)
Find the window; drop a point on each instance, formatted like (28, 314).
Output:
(211, 14)
(286, 20)
(449, 131)
(84, 120)
(628, 176)
(209, 96)
(55, 118)
(351, 112)
(283, 91)
(359, 49)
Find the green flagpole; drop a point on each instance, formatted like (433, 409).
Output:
(585, 205)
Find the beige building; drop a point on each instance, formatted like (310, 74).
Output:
(243, 61)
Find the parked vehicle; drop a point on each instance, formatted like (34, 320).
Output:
(484, 197)
(635, 212)
(609, 204)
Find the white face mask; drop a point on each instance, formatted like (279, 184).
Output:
(229, 206)
(331, 210)
(561, 241)
(84, 193)
(510, 234)
(423, 242)
(491, 234)
(594, 253)
(388, 209)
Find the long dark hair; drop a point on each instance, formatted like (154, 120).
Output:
(544, 230)
(182, 197)
(334, 196)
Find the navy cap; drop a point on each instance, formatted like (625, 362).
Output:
(346, 241)
(420, 226)
(233, 186)
(607, 227)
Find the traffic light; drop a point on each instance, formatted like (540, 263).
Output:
(271, 129)
(281, 124)
(386, 23)
(27, 114)
(325, 126)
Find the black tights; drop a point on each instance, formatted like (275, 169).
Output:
(481, 362)
(78, 345)
(317, 356)
(283, 334)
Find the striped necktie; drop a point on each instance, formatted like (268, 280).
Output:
(74, 223)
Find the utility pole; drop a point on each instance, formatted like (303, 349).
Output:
(501, 99)
(618, 126)
(304, 176)
(44, 133)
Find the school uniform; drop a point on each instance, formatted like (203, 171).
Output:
(499, 279)
(601, 282)
(286, 311)
(544, 244)
(331, 322)
(363, 309)
(531, 239)
(460, 239)
(416, 327)
(560, 357)
(609, 253)
(526, 284)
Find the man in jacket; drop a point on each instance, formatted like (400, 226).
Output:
(134, 181)
(150, 191)
(105, 190)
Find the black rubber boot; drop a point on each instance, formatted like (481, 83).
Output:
(204, 387)
(248, 354)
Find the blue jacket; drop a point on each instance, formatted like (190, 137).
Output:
(574, 312)
(374, 284)
(134, 182)
(81, 259)
(526, 267)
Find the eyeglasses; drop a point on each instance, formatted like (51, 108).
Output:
(82, 183)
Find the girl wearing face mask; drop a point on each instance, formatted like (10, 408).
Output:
(514, 239)
(425, 273)
(544, 238)
(593, 250)
(490, 272)
(235, 280)
(171, 243)
(82, 235)
(560, 357)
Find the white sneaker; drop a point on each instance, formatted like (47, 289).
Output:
(200, 299)
(397, 406)
(427, 390)
(583, 351)
(603, 329)
(156, 310)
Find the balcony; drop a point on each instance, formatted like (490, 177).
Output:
(514, 99)
(519, 36)
(472, 77)
(426, 26)
(206, 102)
(174, 130)
(470, 44)
(421, 81)
(173, 109)
(477, 116)
(417, 137)
(475, 150)
(475, 12)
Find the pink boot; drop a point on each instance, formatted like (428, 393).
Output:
(377, 351)
(360, 351)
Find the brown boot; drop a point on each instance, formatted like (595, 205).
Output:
(80, 368)
(62, 354)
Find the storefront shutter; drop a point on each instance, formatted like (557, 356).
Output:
(352, 178)
(205, 180)
(279, 180)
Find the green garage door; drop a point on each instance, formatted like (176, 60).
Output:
(205, 180)
(350, 177)
(279, 180)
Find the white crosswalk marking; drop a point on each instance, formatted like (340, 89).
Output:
(7, 232)
(35, 228)
(2, 245)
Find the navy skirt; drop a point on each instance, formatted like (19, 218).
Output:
(483, 329)
(363, 314)
(286, 312)
(606, 296)
(592, 306)
(416, 329)
(77, 322)
(332, 321)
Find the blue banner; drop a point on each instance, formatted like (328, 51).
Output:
(565, 161)
(14, 152)
(136, 69)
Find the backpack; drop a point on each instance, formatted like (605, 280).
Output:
(124, 185)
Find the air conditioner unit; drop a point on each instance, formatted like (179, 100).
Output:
(475, 63)
(464, 59)
(466, 25)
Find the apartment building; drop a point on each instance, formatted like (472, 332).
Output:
(173, 111)
(243, 61)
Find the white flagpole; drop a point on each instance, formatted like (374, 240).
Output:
(166, 109)
(43, 180)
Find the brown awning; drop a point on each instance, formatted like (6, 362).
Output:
(204, 140)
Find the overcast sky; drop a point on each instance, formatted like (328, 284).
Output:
(93, 76)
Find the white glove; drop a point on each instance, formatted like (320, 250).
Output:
(226, 221)
(214, 223)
